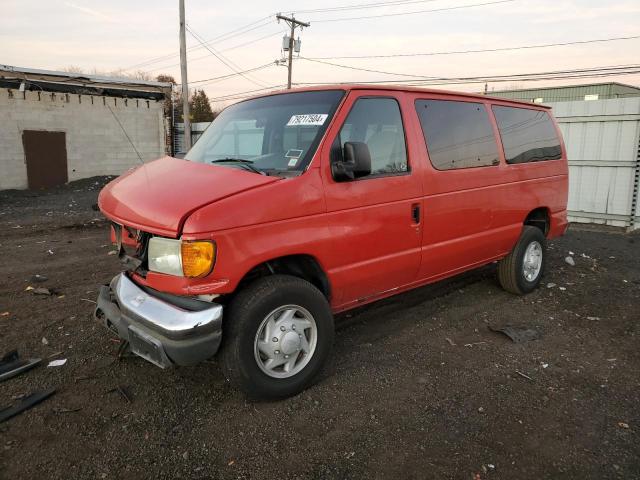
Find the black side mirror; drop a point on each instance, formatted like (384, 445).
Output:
(356, 162)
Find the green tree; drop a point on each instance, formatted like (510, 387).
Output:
(200, 108)
(168, 103)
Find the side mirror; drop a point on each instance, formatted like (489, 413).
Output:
(356, 162)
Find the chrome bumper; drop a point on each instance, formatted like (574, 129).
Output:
(157, 330)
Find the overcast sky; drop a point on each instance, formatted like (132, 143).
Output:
(119, 34)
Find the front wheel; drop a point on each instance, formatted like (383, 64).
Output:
(521, 271)
(278, 336)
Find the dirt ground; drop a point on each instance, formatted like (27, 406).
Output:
(419, 386)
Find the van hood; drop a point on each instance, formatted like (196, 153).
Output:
(157, 197)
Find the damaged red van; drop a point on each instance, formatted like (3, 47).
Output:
(297, 205)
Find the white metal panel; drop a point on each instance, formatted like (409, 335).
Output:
(602, 139)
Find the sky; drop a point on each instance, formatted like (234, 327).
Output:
(109, 36)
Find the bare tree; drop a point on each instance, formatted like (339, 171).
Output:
(72, 69)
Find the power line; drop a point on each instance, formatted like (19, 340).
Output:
(361, 69)
(221, 57)
(191, 60)
(125, 133)
(424, 77)
(364, 6)
(459, 7)
(263, 22)
(222, 77)
(462, 52)
(245, 94)
(590, 72)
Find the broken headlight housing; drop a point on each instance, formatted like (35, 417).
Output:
(180, 257)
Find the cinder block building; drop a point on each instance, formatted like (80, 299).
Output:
(59, 127)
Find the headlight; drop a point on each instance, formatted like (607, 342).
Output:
(181, 258)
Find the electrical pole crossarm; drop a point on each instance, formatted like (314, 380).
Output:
(293, 20)
(293, 23)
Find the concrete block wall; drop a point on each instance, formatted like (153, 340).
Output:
(96, 144)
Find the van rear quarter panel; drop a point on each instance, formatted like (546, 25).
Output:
(475, 215)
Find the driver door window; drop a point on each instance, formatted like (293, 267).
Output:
(377, 123)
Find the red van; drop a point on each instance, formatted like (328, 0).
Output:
(297, 205)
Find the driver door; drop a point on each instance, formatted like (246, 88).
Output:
(375, 219)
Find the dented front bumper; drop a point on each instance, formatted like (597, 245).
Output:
(156, 327)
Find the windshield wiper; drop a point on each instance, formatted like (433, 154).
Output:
(246, 164)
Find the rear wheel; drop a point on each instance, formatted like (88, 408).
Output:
(278, 336)
(521, 271)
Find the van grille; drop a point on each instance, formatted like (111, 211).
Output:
(133, 248)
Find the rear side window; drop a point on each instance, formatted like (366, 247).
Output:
(378, 123)
(527, 135)
(458, 134)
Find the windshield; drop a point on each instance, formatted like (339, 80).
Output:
(275, 134)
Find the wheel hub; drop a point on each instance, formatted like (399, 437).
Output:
(532, 261)
(285, 341)
(289, 342)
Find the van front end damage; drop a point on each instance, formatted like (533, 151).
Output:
(164, 329)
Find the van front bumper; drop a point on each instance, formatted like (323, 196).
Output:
(158, 330)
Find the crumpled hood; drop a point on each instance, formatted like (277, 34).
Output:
(158, 197)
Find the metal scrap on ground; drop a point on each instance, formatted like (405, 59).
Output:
(11, 365)
(25, 404)
(517, 334)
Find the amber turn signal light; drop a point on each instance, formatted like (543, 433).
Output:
(197, 258)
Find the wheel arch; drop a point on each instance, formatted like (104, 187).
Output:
(539, 217)
(304, 266)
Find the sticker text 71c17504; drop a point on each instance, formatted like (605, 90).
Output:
(307, 119)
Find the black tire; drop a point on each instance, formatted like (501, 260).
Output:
(246, 313)
(510, 268)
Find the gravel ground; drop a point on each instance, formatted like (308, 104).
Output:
(419, 386)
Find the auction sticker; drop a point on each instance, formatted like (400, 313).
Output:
(307, 119)
(293, 155)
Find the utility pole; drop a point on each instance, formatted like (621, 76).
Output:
(293, 24)
(185, 84)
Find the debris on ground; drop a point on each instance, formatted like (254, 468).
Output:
(551, 285)
(67, 410)
(25, 404)
(41, 291)
(45, 341)
(524, 375)
(518, 334)
(123, 390)
(57, 363)
(570, 261)
(474, 344)
(11, 365)
(623, 425)
(37, 278)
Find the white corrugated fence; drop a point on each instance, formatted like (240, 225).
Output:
(603, 147)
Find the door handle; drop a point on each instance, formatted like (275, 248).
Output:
(415, 213)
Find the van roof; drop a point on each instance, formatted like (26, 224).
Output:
(403, 88)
